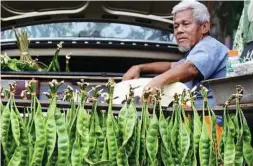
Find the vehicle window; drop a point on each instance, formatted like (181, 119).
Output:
(93, 30)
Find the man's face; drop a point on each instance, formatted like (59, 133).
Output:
(187, 30)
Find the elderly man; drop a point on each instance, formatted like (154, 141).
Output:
(205, 57)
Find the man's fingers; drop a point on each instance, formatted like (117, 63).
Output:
(135, 77)
(125, 77)
(129, 77)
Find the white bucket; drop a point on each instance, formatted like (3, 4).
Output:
(122, 89)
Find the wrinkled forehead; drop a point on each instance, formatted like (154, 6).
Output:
(183, 15)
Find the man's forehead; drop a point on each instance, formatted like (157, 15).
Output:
(183, 15)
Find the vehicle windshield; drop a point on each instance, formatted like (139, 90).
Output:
(93, 30)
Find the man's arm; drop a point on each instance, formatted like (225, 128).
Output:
(183, 72)
(156, 67)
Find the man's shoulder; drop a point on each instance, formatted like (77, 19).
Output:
(210, 41)
(211, 44)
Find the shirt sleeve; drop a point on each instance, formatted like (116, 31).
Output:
(204, 59)
(174, 64)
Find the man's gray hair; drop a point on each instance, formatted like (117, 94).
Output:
(200, 11)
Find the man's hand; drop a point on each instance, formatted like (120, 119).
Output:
(132, 73)
(156, 82)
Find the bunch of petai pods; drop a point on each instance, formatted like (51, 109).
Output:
(77, 136)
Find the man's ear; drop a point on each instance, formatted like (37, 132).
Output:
(205, 28)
